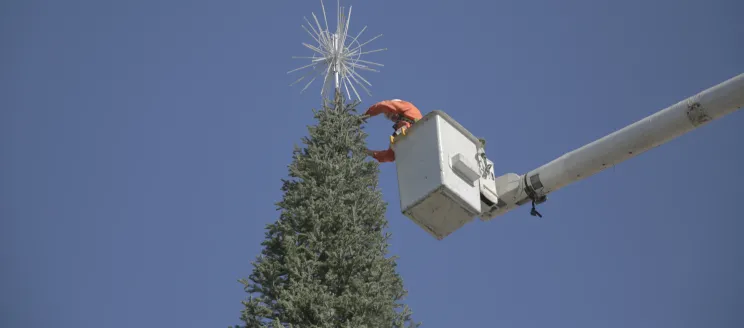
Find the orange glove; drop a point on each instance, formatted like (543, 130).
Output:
(382, 156)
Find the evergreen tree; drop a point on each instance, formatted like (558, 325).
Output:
(324, 262)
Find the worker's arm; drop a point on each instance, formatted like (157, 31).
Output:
(383, 156)
(385, 106)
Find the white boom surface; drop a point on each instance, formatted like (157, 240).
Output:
(619, 146)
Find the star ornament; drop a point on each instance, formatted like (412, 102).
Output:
(336, 57)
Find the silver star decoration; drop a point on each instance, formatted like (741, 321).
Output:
(336, 57)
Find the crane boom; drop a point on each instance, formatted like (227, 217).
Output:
(515, 190)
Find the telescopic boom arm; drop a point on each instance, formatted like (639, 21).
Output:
(515, 190)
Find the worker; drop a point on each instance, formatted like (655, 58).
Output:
(402, 113)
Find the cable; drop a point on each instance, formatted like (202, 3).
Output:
(531, 194)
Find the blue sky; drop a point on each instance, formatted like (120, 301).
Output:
(142, 145)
